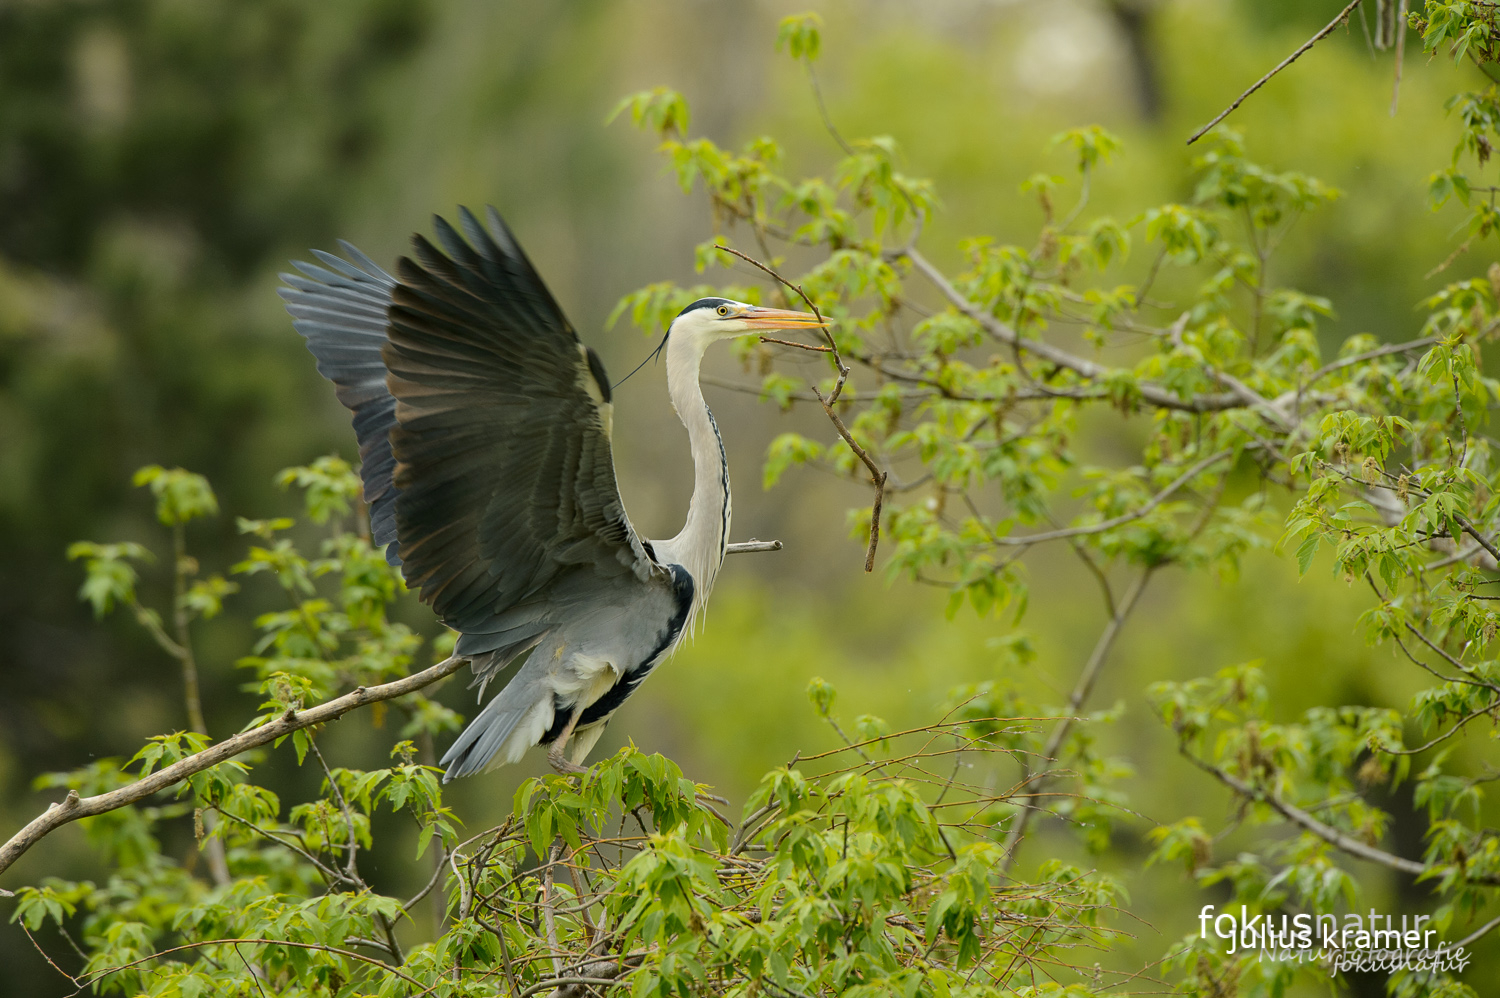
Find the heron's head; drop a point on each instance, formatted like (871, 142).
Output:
(711, 319)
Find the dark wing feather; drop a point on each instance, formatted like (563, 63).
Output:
(341, 310)
(504, 473)
(481, 418)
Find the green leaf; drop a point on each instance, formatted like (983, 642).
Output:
(786, 450)
(180, 495)
(800, 35)
(660, 110)
(1305, 552)
(109, 578)
(822, 694)
(328, 485)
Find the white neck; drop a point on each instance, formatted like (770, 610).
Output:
(699, 546)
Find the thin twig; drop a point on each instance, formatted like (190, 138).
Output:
(799, 346)
(1461, 554)
(1463, 426)
(589, 930)
(1462, 248)
(251, 971)
(1441, 737)
(1123, 518)
(767, 269)
(1476, 935)
(1473, 532)
(1452, 660)
(437, 874)
(180, 622)
(918, 218)
(379, 944)
(80, 985)
(1283, 64)
(610, 969)
(182, 649)
(465, 892)
(559, 981)
(1359, 358)
(944, 726)
(748, 828)
(328, 873)
(817, 90)
(1076, 701)
(499, 933)
(351, 865)
(875, 521)
(1463, 521)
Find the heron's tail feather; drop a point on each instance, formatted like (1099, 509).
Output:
(507, 726)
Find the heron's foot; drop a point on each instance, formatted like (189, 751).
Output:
(562, 765)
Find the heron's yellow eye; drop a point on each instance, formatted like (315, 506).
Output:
(723, 309)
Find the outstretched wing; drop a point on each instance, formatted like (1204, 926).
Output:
(504, 473)
(486, 443)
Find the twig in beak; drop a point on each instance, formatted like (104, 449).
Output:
(832, 346)
(799, 346)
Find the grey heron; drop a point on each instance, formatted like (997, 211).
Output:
(484, 428)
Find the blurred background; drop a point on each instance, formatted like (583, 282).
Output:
(162, 160)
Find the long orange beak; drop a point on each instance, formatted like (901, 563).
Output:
(779, 318)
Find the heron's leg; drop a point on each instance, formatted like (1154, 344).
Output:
(555, 755)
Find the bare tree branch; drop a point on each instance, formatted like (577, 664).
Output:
(1283, 64)
(752, 546)
(75, 807)
(1326, 832)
